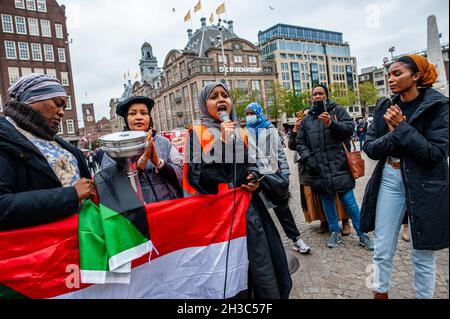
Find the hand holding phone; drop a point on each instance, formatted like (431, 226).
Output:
(319, 107)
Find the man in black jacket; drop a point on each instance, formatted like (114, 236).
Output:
(42, 177)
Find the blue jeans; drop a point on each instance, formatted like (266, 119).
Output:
(391, 207)
(350, 205)
(362, 139)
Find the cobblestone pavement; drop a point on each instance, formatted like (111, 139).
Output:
(345, 271)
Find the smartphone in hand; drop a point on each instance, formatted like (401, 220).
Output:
(319, 107)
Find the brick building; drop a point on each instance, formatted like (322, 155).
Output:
(34, 39)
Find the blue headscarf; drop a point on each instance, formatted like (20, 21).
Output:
(262, 121)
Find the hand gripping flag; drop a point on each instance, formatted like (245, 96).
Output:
(120, 221)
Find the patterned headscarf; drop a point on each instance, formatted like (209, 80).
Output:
(36, 87)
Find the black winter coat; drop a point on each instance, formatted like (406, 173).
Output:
(322, 151)
(30, 192)
(268, 268)
(423, 143)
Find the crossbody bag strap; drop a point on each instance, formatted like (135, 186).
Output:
(343, 144)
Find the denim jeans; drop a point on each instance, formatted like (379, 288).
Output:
(391, 207)
(362, 139)
(350, 205)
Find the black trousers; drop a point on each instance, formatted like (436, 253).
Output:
(287, 221)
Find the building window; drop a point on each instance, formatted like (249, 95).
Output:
(36, 51)
(10, 48)
(62, 54)
(48, 53)
(39, 71)
(33, 26)
(60, 129)
(238, 59)
(70, 127)
(31, 5)
(13, 74)
(7, 23)
(26, 71)
(252, 59)
(256, 85)
(220, 58)
(21, 26)
(65, 78)
(242, 84)
(24, 52)
(69, 103)
(42, 5)
(59, 31)
(20, 4)
(46, 29)
(51, 73)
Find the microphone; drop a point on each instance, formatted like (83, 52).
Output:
(225, 117)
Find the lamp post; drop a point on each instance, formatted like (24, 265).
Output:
(223, 53)
(392, 50)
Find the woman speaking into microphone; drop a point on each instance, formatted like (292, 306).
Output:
(216, 160)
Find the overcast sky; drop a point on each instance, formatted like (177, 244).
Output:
(108, 34)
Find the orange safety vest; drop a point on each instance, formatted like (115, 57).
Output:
(206, 142)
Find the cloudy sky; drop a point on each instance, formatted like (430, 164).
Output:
(108, 34)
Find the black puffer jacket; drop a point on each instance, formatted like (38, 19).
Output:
(30, 192)
(322, 151)
(423, 143)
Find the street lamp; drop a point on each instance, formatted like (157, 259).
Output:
(223, 52)
(392, 50)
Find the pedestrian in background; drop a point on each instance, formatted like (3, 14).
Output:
(409, 138)
(361, 130)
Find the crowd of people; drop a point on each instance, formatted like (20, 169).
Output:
(43, 178)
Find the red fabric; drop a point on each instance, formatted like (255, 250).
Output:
(37, 261)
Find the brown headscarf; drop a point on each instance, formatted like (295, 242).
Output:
(426, 69)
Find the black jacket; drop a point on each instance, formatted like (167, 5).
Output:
(322, 151)
(269, 276)
(423, 143)
(30, 192)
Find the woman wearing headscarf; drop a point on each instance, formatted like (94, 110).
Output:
(209, 169)
(320, 145)
(42, 177)
(409, 138)
(161, 165)
(258, 124)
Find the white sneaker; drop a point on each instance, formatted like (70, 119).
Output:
(301, 247)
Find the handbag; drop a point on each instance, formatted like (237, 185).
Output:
(355, 162)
